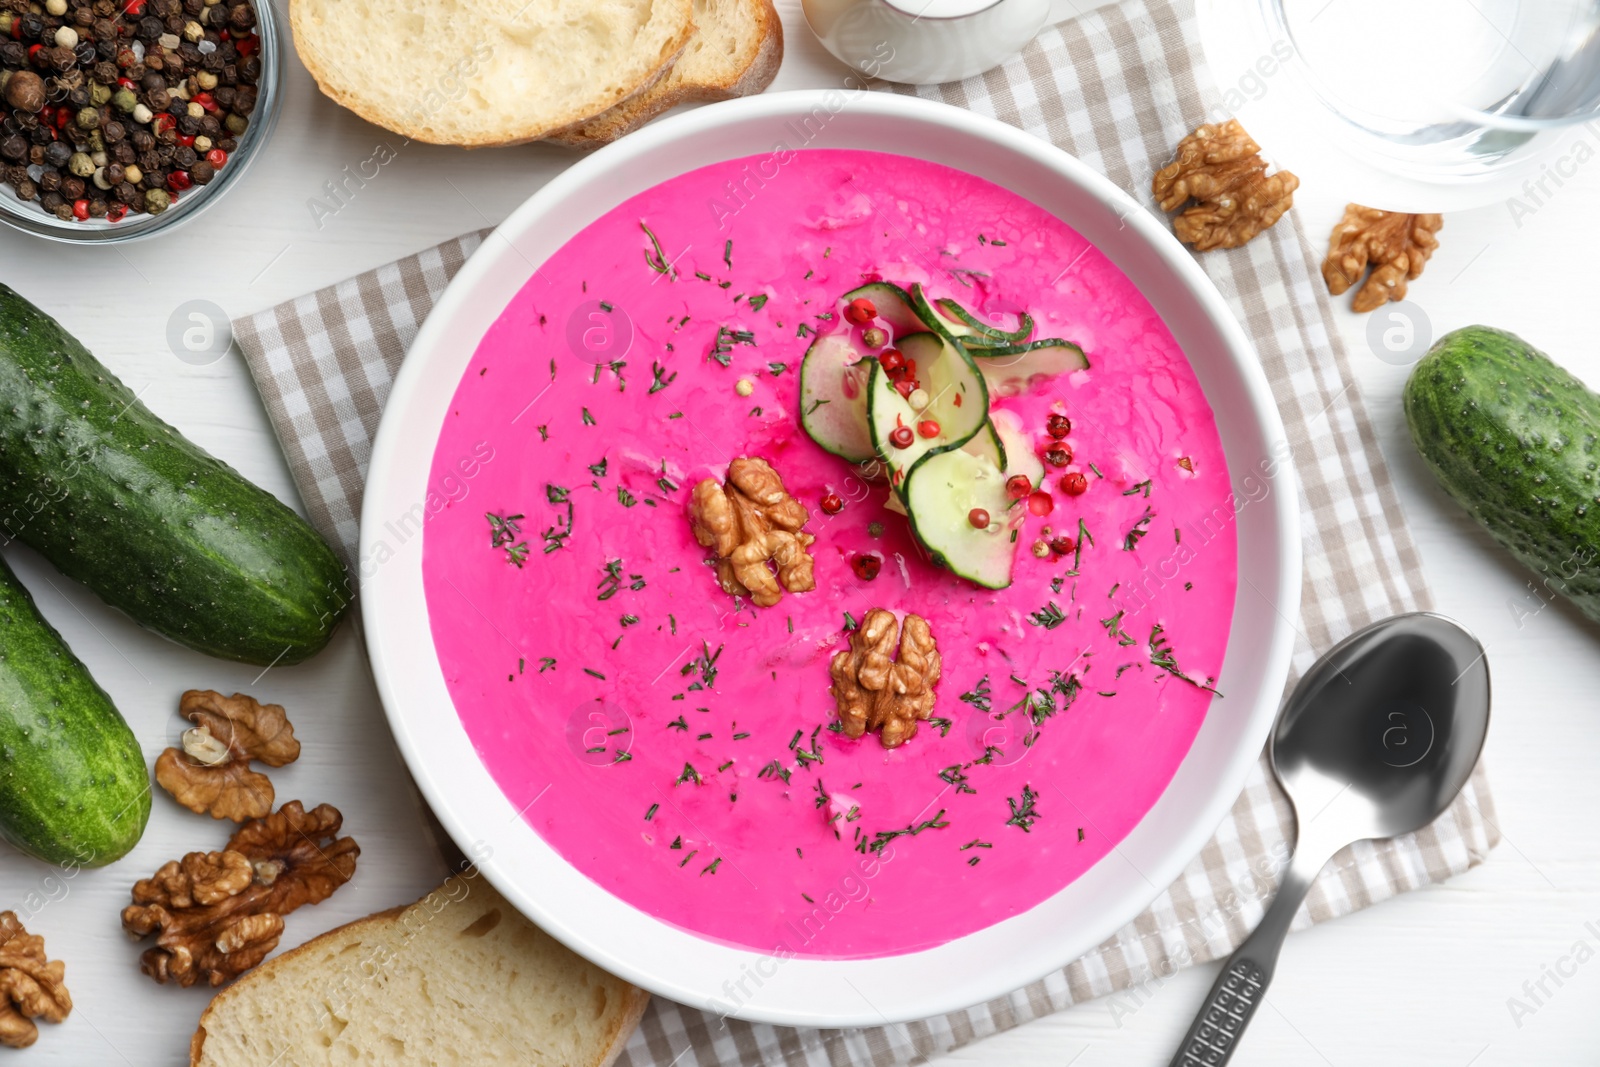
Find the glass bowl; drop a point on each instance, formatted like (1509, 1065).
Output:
(31, 218)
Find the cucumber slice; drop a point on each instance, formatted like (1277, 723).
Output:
(1011, 370)
(940, 492)
(953, 311)
(833, 397)
(987, 444)
(959, 404)
(893, 304)
(1016, 449)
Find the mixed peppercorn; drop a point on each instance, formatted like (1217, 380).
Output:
(115, 106)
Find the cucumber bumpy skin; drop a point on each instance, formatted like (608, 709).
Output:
(1515, 439)
(73, 785)
(118, 500)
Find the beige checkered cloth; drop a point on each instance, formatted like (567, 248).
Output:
(1116, 88)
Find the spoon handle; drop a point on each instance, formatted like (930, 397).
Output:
(1242, 985)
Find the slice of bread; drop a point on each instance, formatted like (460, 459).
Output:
(736, 50)
(458, 979)
(486, 72)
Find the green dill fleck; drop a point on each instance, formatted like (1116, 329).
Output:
(598, 469)
(1114, 629)
(956, 775)
(547, 663)
(680, 723)
(625, 498)
(522, 664)
(711, 868)
(503, 533)
(849, 622)
(660, 379)
(1161, 656)
(591, 671)
(1138, 487)
(804, 331)
(1024, 811)
(775, 770)
(883, 837)
(978, 695)
(1131, 539)
(588, 419)
(941, 724)
(1056, 582)
(1096, 470)
(758, 301)
(656, 259)
(651, 813)
(623, 757)
(1049, 616)
(544, 433)
(606, 307)
(688, 774)
(727, 253)
(777, 368)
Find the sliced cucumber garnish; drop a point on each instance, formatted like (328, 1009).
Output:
(987, 444)
(958, 403)
(1012, 369)
(982, 330)
(1016, 451)
(833, 397)
(941, 493)
(893, 304)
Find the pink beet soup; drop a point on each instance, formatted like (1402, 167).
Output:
(674, 743)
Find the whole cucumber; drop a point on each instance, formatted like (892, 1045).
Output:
(73, 785)
(120, 501)
(1516, 440)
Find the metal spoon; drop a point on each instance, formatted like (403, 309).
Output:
(1376, 741)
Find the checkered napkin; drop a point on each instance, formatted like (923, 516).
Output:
(1117, 88)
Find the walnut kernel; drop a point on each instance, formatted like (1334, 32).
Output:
(1220, 168)
(873, 692)
(211, 773)
(749, 522)
(215, 915)
(1395, 244)
(32, 986)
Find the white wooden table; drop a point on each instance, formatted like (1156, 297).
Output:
(1425, 979)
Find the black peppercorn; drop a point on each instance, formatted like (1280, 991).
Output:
(56, 153)
(50, 200)
(50, 180)
(113, 131)
(98, 208)
(26, 190)
(184, 157)
(72, 188)
(188, 125)
(126, 193)
(202, 172)
(142, 140)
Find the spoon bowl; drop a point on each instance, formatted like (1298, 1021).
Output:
(1384, 730)
(1376, 740)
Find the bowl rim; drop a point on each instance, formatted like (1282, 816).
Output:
(676, 963)
(29, 219)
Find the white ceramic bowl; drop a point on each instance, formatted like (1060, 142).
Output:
(993, 961)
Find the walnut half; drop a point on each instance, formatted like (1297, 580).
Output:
(1220, 168)
(872, 692)
(751, 521)
(32, 986)
(1395, 244)
(211, 773)
(217, 914)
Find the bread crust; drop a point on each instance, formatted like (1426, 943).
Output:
(299, 23)
(627, 1021)
(631, 114)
